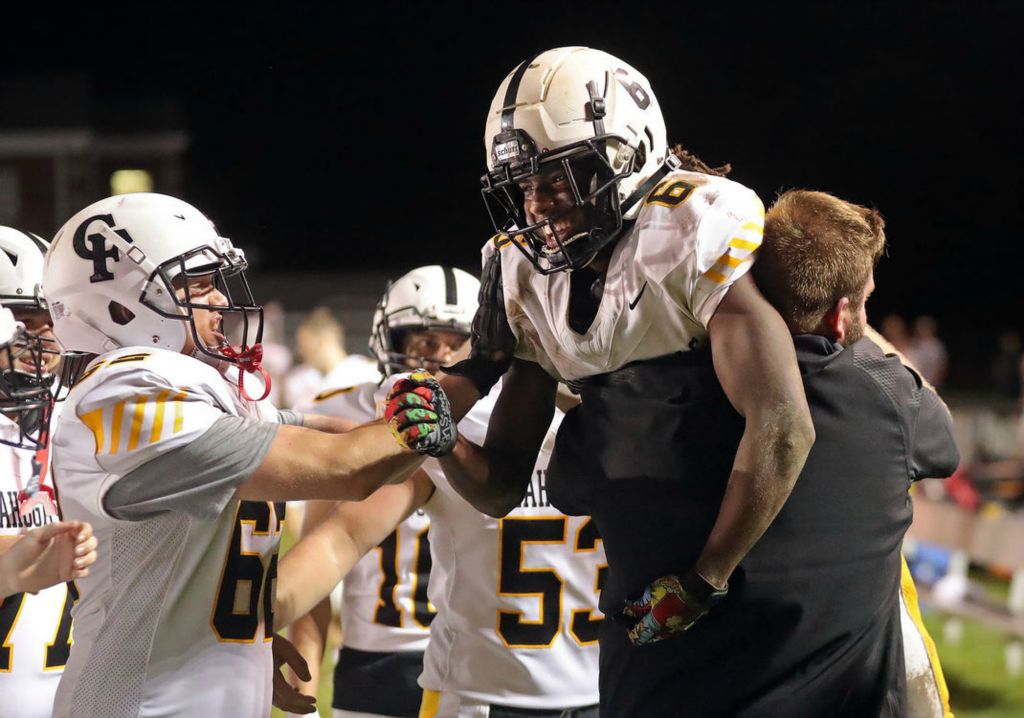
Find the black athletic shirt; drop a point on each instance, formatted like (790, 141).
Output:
(811, 623)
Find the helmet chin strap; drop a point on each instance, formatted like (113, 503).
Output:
(248, 360)
(671, 164)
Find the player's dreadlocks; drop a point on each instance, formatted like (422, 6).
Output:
(695, 164)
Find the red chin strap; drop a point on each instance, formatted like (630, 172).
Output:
(248, 360)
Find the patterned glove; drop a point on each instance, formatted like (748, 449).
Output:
(419, 416)
(670, 606)
(493, 342)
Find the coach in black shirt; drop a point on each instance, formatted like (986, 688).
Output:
(811, 622)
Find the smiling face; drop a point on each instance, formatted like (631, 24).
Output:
(548, 195)
(203, 290)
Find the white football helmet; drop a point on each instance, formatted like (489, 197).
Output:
(24, 386)
(595, 116)
(426, 299)
(21, 268)
(112, 271)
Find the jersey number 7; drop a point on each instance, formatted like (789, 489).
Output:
(57, 651)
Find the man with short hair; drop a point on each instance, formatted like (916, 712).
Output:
(812, 621)
(320, 343)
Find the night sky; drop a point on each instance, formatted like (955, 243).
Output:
(333, 139)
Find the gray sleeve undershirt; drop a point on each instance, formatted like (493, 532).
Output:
(288, 416)
(198, 478)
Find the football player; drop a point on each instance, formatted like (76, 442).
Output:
(422, 320)
(36, 628)
(515, 630)
(619, 263)
(167, 446)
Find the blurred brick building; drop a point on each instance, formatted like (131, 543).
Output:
(63, 145)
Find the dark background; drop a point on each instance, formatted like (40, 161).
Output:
(328, 137)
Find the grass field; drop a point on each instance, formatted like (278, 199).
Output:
(975, 669)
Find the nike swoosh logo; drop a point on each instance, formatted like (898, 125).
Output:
(633, 304)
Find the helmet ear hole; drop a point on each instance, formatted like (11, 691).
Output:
(119, 313)
(640, 158)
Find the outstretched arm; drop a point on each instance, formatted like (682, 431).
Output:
(314, 566)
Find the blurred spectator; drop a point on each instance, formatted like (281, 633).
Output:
(927, 352)
(320, 344)
(894, 329)
(1006, 367)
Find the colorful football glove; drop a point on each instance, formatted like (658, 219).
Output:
(493, 342)
(419, 416)
(670, 606)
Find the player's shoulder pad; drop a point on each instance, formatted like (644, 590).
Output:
(686, 198)
(133, 372)
(713, 219)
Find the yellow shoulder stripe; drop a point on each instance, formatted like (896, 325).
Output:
(324, 395)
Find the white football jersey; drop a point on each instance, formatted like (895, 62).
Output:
(384, 606)
(694, 236)
(175, 617)
(516, 598)
(35, 630)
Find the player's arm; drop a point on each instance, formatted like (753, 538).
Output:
(494, 477)
(309, 636)
(234, 457)
(308, 633)
(304, 463)
(314, 566)
(755, 362)
(327, 424)
(46, 556)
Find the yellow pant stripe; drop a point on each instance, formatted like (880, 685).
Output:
(137, 418)
(715, 276)
(743, 244)
(429, 704)
(753, 227)
(910, 599)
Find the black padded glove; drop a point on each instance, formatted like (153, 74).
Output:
(493, 342)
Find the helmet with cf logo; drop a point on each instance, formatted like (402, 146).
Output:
(119, 272)
(586, 123)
